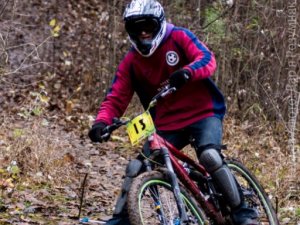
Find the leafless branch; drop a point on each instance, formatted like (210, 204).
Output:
(21, 66)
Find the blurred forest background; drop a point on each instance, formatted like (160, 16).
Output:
(57, 59)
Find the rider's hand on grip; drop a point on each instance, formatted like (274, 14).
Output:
(97, 131)
(179, 78)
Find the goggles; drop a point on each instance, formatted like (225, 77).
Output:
(137, 26)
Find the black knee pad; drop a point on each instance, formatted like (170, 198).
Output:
(227, 185)
(222, 176)
(211, 159)
(133, 168)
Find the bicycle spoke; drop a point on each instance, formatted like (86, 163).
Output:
(152, 202)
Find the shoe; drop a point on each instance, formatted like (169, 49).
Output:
(249, 222)
(118, 221)
(244, 215)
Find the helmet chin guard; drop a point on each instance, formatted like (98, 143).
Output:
(147, 47)
(144, 46)
(148, 16)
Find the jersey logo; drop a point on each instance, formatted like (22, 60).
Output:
(172, 58)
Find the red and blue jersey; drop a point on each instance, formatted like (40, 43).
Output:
(197, 99)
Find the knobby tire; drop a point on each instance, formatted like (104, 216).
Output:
(154, 184)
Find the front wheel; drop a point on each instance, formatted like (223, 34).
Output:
(254, 194)
(151, 202)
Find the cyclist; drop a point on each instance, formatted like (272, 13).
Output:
(162, 53)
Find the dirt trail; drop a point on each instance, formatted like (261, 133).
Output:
(36, 197)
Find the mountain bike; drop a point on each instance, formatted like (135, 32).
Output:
(175, 189)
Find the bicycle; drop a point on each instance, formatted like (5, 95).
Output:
(176, 190)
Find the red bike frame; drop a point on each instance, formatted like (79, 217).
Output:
(157, 142)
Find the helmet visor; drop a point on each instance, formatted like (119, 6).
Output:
(137, 26)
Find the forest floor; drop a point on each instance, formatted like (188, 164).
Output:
(45, 158)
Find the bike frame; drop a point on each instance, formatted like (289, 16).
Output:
(176, 170)
(158, 143)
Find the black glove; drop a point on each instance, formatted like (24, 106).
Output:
(96, 131)
(179, 78)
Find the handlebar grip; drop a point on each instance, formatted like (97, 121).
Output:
(110, 128)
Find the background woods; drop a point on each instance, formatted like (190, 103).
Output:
(250, 42)
(57, 59)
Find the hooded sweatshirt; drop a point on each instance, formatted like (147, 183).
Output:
(199, 98)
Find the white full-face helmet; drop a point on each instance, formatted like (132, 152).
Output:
(147, 16)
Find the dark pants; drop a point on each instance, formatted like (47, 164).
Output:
(204, 132)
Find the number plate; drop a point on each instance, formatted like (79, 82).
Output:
(140, 127)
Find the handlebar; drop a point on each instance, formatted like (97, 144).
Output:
(117, 122)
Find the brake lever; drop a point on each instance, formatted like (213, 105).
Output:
(166, 91)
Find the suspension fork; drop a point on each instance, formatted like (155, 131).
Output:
(147, 165)
(175, 186)
(155, 195)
